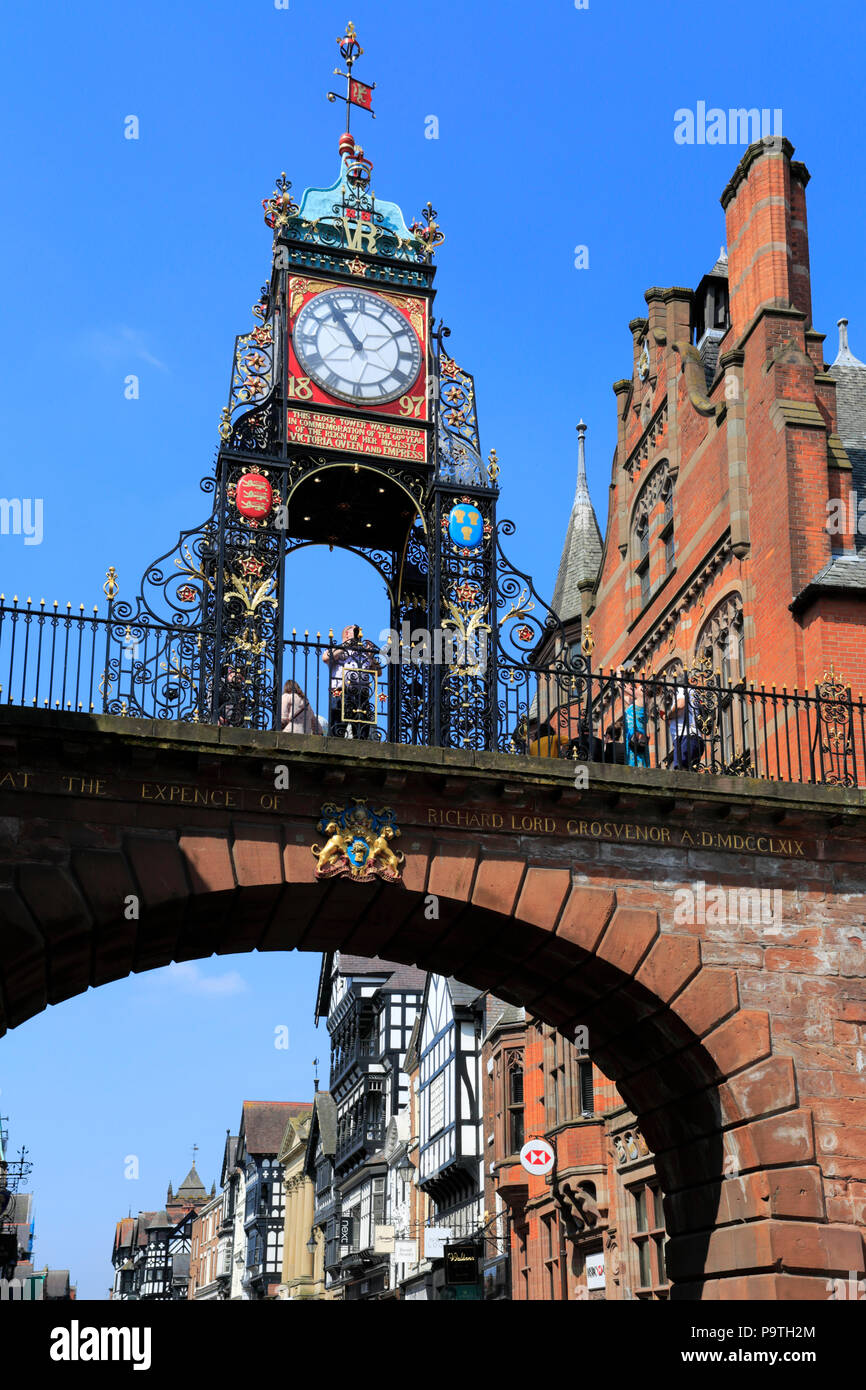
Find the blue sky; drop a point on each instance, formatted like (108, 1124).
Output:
(556, 130)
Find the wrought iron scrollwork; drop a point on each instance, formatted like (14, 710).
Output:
(836, 744)
(528, 695)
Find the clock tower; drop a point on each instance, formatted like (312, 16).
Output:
(348, 425)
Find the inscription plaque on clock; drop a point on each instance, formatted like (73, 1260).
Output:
(357, 436)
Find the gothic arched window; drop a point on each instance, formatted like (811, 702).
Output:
(721, 640)
(653, 512)
(721, 649)
(515, 1103)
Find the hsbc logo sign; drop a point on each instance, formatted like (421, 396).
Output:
(537, 1156)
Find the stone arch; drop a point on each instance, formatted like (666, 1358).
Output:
(735, 1151)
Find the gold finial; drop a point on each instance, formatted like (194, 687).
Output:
(492, 466)
(587, 641)
(225, 425)
(109, 588)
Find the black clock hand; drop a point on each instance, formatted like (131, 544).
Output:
(338, 314)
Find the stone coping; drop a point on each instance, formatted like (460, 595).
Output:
(519, 770)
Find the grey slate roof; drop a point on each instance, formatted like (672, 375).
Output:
(850, 376)
(160, 1222)
(581, 553)
(498, 1014)
(410, 1061)
(846, 573)
(843, 572)
(462, 995)
(399, 976)
(326, 1113)
(192, 1188)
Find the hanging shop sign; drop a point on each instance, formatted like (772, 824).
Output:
(537, 1156)
(461, 1263)
(383, 1240)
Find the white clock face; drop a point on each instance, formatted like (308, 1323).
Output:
(357, 346)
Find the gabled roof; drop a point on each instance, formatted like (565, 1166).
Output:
(581, 553)
(296, 1131)
(20, 1210)
(192, 1189)
(57, 1284)
(124, 1233)
(850, 376)
(323, 1125)
(412, 1059)
(141, 1224)
(462, 996)
(326, 1118)
(501, 1015)
(395, 976)
(263, 1123)
(230, 1153)
(160, 1221)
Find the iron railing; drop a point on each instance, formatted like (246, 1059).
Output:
(57, 658)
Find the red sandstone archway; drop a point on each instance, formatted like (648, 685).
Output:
(745, 1199)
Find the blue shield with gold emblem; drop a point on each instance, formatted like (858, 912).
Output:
(357, 852)
(465, 525)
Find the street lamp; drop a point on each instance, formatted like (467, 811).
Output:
(311, 1244)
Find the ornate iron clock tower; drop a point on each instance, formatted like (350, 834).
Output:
(348, 424)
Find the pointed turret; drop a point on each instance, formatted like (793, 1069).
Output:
(581, 553)
(850, 376)
(192, 1189)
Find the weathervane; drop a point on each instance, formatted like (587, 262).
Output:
(357, 93)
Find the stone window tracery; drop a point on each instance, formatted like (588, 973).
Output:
(721, 639)
(653, 507)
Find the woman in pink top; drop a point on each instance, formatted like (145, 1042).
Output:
(296, 716)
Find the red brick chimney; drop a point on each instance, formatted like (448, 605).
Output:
(768, 245)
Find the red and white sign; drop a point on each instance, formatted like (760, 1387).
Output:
(537, 1156)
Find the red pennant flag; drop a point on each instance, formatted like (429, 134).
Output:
(360, 94)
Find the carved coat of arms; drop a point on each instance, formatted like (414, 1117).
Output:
(359, 843)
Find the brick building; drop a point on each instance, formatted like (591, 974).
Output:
(594, 1228)
(738, 447)
(205, 1264)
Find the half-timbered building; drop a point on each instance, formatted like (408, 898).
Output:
(450, 1153)
(370, 1007)
(263, 1124)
